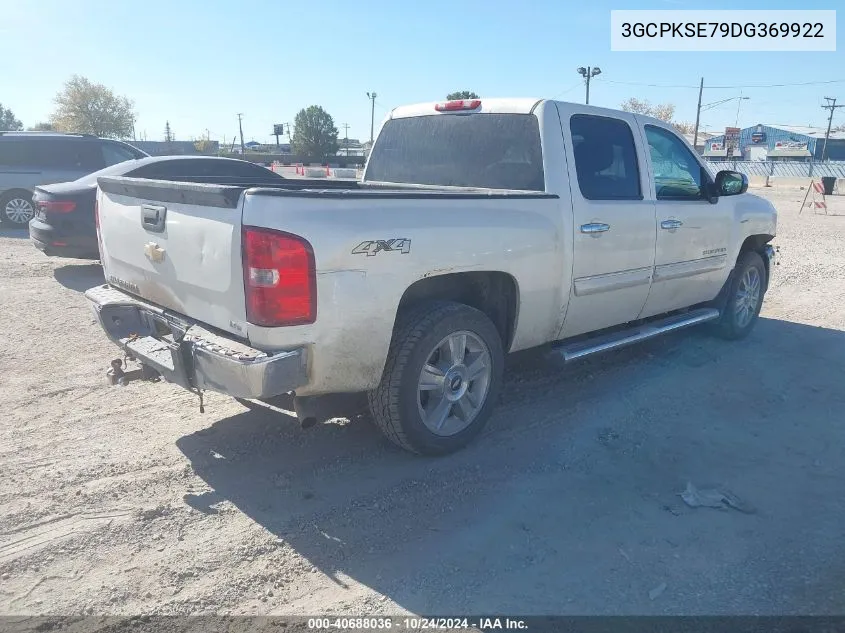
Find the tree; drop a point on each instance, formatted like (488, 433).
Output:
(314, 133)
(463, 94)
(88, 108)
(204, 146)
(684, 127)
(662, 111)
(168, 133)
(44, 126)
(8, 121)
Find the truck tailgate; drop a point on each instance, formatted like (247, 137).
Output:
(177, 245)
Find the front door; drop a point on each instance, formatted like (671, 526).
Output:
(691, 260)
(613, 246)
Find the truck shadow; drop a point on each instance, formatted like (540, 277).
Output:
(530, 518)
(15, 233)
(80, 277)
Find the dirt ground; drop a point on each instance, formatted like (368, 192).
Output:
(120, 500)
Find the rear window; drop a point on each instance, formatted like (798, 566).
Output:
(496, 151)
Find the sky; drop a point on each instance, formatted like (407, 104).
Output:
(199, 64)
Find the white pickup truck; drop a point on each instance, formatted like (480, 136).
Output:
(480, 227)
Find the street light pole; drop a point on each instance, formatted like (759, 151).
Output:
(588, 73)
(372, 97)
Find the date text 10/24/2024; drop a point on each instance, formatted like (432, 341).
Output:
(418, 624)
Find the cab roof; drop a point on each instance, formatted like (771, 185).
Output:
(504, 106)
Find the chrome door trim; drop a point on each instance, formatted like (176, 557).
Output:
(666, 272)
(612, 281)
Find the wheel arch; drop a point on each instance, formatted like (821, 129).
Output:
(495, 293)
(756, 243)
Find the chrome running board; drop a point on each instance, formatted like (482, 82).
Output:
(642, 332)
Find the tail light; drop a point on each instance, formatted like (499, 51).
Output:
(56, 206)
(459, 104)
(280, 278)
(97, 226)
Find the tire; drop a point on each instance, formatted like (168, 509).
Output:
(16, 208)
(743, 303)
(409, 407)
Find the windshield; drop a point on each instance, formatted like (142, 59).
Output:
(495, 151)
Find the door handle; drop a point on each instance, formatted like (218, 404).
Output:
(671, 224)
(595, 227)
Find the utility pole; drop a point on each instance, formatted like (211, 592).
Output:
(372, 97)
(697, 116)
(241, 128)
(831, 105)
(346, 137)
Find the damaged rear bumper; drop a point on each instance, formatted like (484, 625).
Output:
(187, 354)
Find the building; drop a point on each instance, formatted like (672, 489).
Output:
(176, 148)
(763, 142)
(701, 143)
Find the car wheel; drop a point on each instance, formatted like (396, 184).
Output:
(441, 379)
(745, 297)
(16, 208)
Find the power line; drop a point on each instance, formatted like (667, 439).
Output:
(568, 90)
(737, 87)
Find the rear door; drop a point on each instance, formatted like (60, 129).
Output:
(613, 247)
(62, 159)
(691, 262)
(177, 245)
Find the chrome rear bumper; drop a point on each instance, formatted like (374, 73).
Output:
(187, 354)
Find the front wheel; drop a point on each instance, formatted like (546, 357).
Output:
(441, 379)
(16, 209)
(745, 297)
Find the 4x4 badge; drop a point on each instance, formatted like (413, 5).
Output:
(371, 247)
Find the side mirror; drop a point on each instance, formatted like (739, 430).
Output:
(731, 183)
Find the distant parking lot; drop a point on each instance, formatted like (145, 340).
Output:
(128, 500)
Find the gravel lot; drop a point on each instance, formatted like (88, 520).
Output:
(119, 500)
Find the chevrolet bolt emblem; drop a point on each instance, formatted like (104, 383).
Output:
(154, 252)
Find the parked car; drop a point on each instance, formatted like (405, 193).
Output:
(29, 159)
(64, 222)
(480, 227)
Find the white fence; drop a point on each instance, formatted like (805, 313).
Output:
(787, 169)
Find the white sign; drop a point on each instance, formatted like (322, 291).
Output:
(723, 30)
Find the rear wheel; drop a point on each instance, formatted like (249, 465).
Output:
(16, 208)
(745, 297)
(441, 379)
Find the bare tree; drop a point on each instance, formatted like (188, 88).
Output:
(662, 111)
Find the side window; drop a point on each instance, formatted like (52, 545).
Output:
(14, 153)
(233, 169)
(605, 158)
(677, 174)
(70, 154)
(114, 153)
